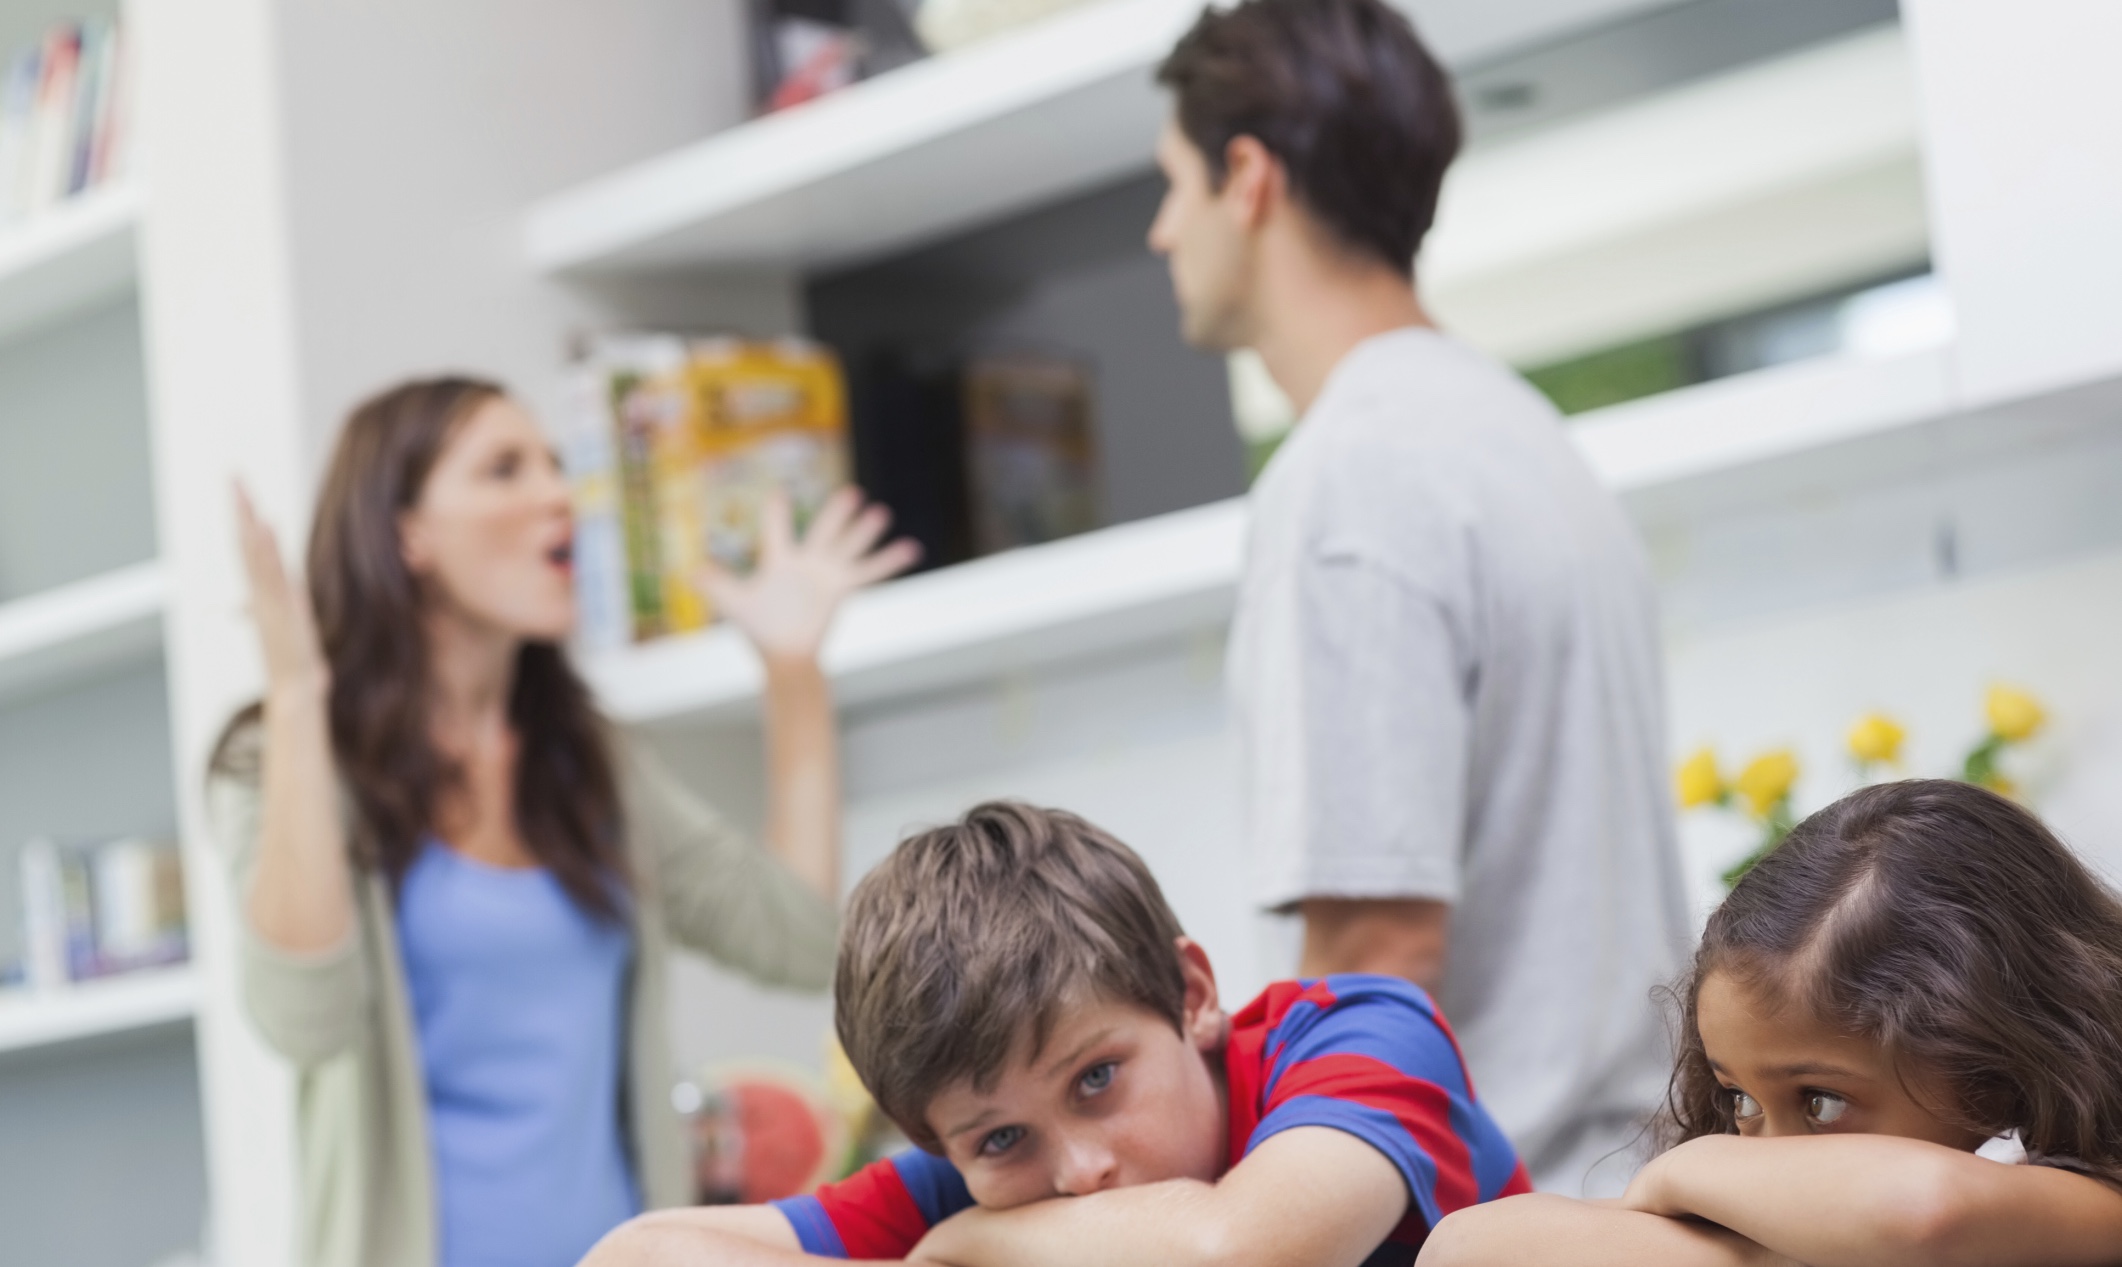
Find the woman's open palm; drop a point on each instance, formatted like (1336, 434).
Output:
(287, 628)
(786, 603)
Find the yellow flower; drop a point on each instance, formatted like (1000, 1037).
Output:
(1876, 739)
(1767, 779)
(2002, 786)
(2014, 715)
(1699, 782)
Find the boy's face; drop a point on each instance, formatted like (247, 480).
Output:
(1115, 1098)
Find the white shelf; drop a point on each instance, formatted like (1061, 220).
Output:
(65, 634)
(934, 148)
(1770, 413)
(1178, 573)
(113, 1005)
(942, 144)
(1119, 586)
(67, 258)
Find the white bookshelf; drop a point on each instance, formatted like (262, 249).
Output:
(1177, 573)
(1009, 612)
(70, 257)
(92, 1009)
(66, 634)
(940, 145)
(957, 140)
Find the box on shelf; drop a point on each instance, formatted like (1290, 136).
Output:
(97, 909)
(673, 450)
(1031, 454)
(805, 49)
(62, 108)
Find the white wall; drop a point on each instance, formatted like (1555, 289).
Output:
(1925, 656)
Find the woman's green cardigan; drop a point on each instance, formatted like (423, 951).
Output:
(342, 1018)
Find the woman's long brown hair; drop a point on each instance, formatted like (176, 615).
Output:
(368, 607)
(1947, 924)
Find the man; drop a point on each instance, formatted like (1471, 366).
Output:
(1445, 664)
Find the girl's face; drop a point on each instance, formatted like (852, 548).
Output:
(491, 534)
(1788, 1073)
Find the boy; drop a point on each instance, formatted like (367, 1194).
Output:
(1021, 1001)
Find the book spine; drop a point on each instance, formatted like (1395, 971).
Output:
(43, 916)
(88, 94)
(18, 100)
(107, 152)
(51, 145)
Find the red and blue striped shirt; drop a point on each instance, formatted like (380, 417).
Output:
(1369, 1056)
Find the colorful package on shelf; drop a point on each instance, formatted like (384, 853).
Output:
(1031, 454)
(700, 433)
(98, 909)
(62, 106)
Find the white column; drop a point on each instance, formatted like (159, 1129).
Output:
(2022, 126)
(218, 310)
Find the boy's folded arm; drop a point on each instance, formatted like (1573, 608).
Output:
(1308, 1197)
(1882, 1201)
(1540, 1230)
(707, 1236)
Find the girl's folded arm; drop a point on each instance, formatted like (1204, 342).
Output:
(1882, 1201)
(1541, 1230)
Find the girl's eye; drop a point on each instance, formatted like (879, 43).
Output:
(507, 464)
(1098, 1078)
(1823, 1108)
(998, 1142)
(1744, 1107)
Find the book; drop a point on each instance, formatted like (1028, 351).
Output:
(62, 103)
(1030, 448)
(99, 908)
(699, 432)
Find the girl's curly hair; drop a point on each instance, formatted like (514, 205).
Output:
(1947, 924)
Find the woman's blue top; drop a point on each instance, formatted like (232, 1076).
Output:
(519, 998)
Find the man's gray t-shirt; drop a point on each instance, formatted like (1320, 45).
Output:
(1446, 675)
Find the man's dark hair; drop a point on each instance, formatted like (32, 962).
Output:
(1343, 93)
(969, 942)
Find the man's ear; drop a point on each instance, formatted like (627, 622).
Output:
(1253, 180)
(1203, 1021)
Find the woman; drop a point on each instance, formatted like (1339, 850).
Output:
(458, 884)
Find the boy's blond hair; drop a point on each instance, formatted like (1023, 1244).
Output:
(961, 950)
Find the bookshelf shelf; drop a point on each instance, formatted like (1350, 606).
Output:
(940, 145)
(71, 632)
(1178, 573)
(113, 1005)
(1135, 582)
(67, 259)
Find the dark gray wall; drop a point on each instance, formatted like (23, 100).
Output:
(1078, 279)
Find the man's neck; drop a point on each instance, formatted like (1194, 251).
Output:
(1320, 316)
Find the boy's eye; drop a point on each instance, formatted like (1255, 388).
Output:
(506, 464)
(998, 1142)
(1823, 1107)
(1744, 1107)
(1098, 1078)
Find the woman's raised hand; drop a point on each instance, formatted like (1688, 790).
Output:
(287, 628)
(786, 604)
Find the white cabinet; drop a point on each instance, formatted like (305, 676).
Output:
(2022, 131)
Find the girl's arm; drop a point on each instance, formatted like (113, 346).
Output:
(1540, 1230)
(301, 896)
(785, 606)
(1881, 1201)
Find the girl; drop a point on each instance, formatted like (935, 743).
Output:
(458, 884)
(1921, 983)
